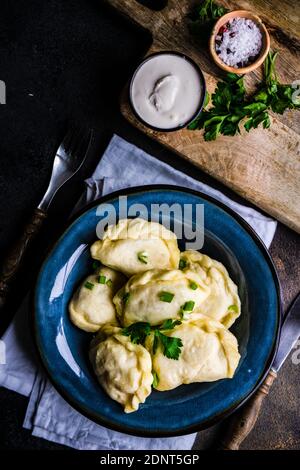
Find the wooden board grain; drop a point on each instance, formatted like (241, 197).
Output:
(264, 165)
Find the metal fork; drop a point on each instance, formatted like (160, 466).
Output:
(68, 160)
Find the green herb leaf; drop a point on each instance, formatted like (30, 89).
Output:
(143, 257)
(254, 108)
(169, 324)
(206, 99)
(171, 346)
(203, 18)
(155, 342)
(137, 332)
(166, 296)
(155, 379)
(109, 282)
(89, 285)
(231, 105)
(101, 279)
(182, 264)
(261, 96)
(193, 285)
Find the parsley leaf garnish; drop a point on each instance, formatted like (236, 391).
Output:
(231, 106)
(171, 347)
(137, 332)
(204, 17)
(169, 324)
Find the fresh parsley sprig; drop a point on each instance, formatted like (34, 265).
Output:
(275, 95)
(203, 18)
(230, 105)
(171, 347)
(139, 331)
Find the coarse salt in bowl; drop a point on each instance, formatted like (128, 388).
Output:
(239, 42)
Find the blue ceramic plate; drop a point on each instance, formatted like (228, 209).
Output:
(64, 348)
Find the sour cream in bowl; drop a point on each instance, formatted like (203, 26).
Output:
(167, 91)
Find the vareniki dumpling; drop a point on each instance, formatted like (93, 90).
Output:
(136, 245)
(122, 367)
(157, 295)
(209, 353)
(223, 303)
(92, 304)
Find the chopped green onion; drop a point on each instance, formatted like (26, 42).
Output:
(89, 285)
(126, 298)
(166, 296)
(234, 308)
(96, 265)
(155, 379)
(102, 279)
(193, 285)
(143, 257)
(188, 306)
(182, 264)
(109, 282)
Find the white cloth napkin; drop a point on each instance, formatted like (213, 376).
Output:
(48, 415)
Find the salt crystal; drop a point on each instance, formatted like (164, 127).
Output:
(240, 43)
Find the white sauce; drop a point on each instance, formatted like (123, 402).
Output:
(166, 91)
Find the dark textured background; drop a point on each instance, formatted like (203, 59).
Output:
(67, 61)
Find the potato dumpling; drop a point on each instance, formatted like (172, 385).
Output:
(209, 353)
(122, 367)
(223, 303)
(157, 295)
(92, 304)
(136, 245)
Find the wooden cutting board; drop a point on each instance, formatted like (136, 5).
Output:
(264, 165)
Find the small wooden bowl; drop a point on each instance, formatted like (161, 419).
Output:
(265, 41)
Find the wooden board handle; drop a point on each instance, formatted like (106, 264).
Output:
(14, 259)
(243, 421)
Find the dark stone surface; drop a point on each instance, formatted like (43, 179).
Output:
(73, 58)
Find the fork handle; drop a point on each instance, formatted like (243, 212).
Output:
(15, 256)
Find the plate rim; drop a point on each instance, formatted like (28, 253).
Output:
(186, 429)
